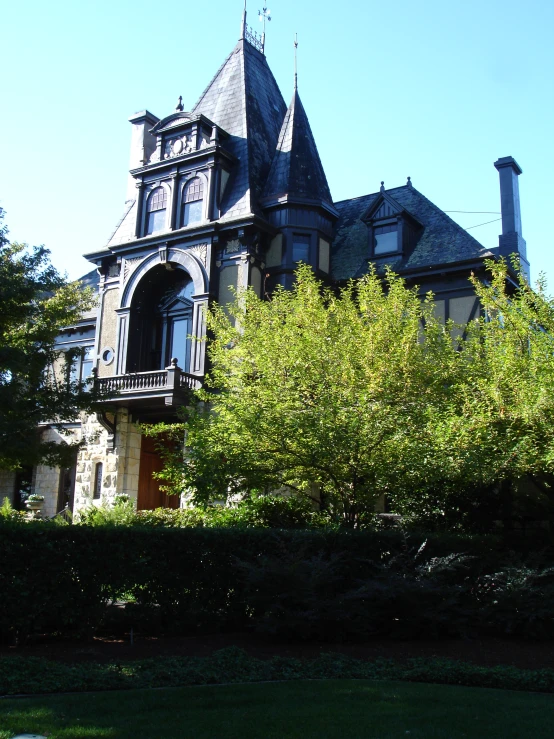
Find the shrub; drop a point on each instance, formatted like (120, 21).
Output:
(265, 511)
(8, 513)
(232, 665)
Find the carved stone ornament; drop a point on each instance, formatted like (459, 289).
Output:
(177, 146)
(130, 265)
(113, 270)
(201, 253)
(233, 246)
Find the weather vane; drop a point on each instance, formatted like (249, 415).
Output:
(263, 15)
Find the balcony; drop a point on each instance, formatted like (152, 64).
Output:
(168, 388)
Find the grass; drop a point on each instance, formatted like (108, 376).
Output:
(304, 709)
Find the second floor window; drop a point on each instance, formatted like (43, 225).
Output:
(193, 196)
(82, 364)
(155, 210)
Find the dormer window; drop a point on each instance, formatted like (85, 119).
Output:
(193, 202)
(385, 239)
(155, 210)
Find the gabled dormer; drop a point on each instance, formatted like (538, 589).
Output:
(392, 229)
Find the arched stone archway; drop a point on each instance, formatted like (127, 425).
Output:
(155, 316)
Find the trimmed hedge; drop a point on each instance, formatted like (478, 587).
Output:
(303, 584)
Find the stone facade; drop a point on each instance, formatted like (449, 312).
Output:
(120, 462)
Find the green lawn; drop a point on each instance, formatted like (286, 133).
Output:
(303, 709)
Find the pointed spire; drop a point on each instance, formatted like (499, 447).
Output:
(296, 169)
(296, 62)
(243, 23)
(180, 107)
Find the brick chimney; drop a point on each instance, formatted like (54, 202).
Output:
(511, 240)
(143, 144)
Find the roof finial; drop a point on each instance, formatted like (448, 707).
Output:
(263, 15)
(180, 106)
(243, 24)
(295, 62)
(409, 183)
(382, 188)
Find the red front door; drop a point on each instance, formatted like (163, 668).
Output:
(149, 494)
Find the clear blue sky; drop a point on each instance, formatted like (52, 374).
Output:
(434, 90)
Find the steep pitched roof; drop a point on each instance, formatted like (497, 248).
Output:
(441, 242)
(244, 99)
(296, 168)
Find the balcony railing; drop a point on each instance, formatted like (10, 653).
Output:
(166, 383)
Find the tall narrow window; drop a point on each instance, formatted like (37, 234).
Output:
(97, 492)
(193, 195)
(155, 210)
(300, 248)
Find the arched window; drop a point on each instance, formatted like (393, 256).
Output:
(155, 210)
(192, 206)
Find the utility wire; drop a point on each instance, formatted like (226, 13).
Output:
(492, 212)
(495, 220)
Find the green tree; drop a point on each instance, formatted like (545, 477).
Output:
(497, 430)
(345, 398)
(330, 396)
(36, 302)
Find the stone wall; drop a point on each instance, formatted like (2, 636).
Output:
(46, 480)
(120, 464)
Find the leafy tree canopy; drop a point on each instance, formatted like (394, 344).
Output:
(36, 303)
(347, 397)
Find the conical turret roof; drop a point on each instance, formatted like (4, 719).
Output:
(296, 169)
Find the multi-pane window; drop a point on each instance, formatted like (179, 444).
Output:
(193, 196)
(385, 239)
(155, 210)
(300, 248)
(81, 367)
